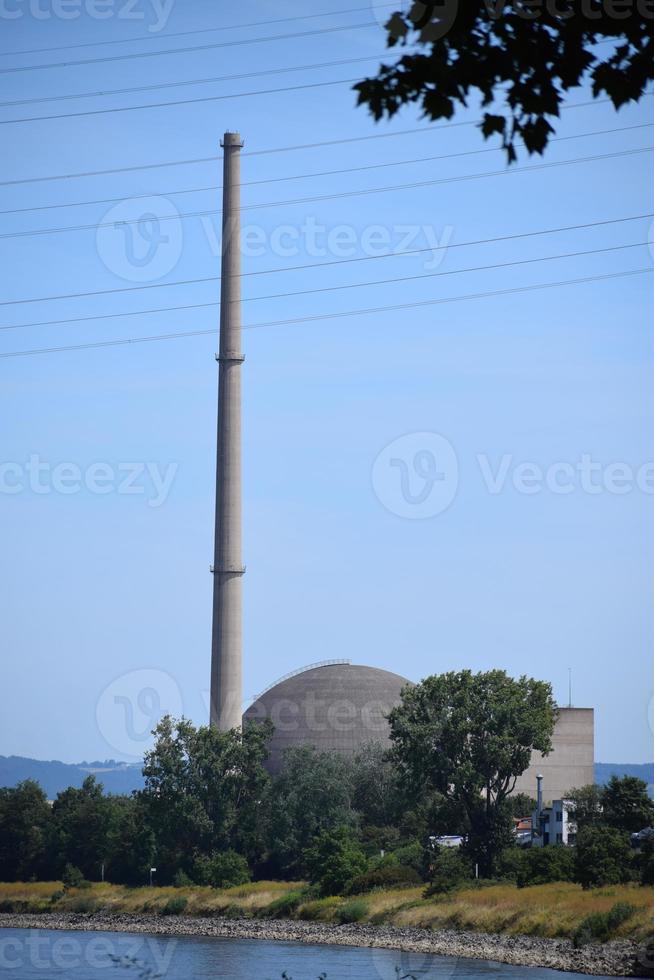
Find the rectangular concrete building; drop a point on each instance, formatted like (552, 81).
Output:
(572, 761)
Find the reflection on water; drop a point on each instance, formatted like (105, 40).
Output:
(42, 954)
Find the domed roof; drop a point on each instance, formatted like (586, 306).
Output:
(336, 707)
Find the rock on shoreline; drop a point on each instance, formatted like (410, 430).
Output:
(619, 958)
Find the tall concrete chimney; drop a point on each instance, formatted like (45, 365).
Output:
(227, 633)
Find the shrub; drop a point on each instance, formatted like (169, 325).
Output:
(82, 903)
(384, 877)
(334, 861)
(283, 906)
(182, 880)
(353, 911)
(72, 877)
(599, 926)
(224, 869)
(411, 856)
(175, 905)
(602, 857)
(448, 871)
(542, 865)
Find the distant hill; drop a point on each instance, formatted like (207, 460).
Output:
(604, 771)
(120, 777)
(116, 777)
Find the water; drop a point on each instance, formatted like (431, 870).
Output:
(43, 954)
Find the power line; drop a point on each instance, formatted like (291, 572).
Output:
(342, 195)
(323, 173)
(276, 149)
(320, 265)
(333, 316)
(176, 102)
(204, 30)
(193, 81)
(198, 47)
(329, 289)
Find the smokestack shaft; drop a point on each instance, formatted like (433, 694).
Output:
(227, 633)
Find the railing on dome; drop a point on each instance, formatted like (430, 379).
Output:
(300, 670)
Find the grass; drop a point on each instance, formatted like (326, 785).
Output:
(555, 910)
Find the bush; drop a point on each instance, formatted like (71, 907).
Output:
(224, 869)
(72, 877)
(599, 926)
(284, 906)
(82, 903)
(175, 905)
(411, 856)
(602, 857)
(334, 861)
(449, 869)
(353, 911)
(389, 876)
(182, 880)
(542, 865)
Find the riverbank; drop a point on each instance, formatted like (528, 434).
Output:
(617, 958)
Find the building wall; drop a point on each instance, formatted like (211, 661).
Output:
(572, 761)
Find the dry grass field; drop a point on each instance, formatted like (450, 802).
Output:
(554, 910)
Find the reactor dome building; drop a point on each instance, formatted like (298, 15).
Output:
(336, 706)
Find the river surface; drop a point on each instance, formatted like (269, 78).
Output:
(43, 954)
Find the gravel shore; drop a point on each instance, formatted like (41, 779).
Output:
(618, 958)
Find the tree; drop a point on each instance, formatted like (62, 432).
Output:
(525, 56)
(375, 789)
(334, 860)
(311, 795)
(468, 737)
(584, 806)
(130, 842)
(626, 804)
(81, 819)
(222, 870)
(602, 857)
(25, 822)
(204, 791)
(521, 805)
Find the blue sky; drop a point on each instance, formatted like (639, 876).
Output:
(102, 590)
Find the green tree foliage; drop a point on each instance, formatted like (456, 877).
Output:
(312, 794)
(449, 869)
(81, 820)
(602, 857)
(222, 870)
(24, 832)
(334, 860)
(524, 56)
(521, 805)
(204, 791)
(468, 737)
(376, 792)
(536, 865)
(584, 806)
(626, 804)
